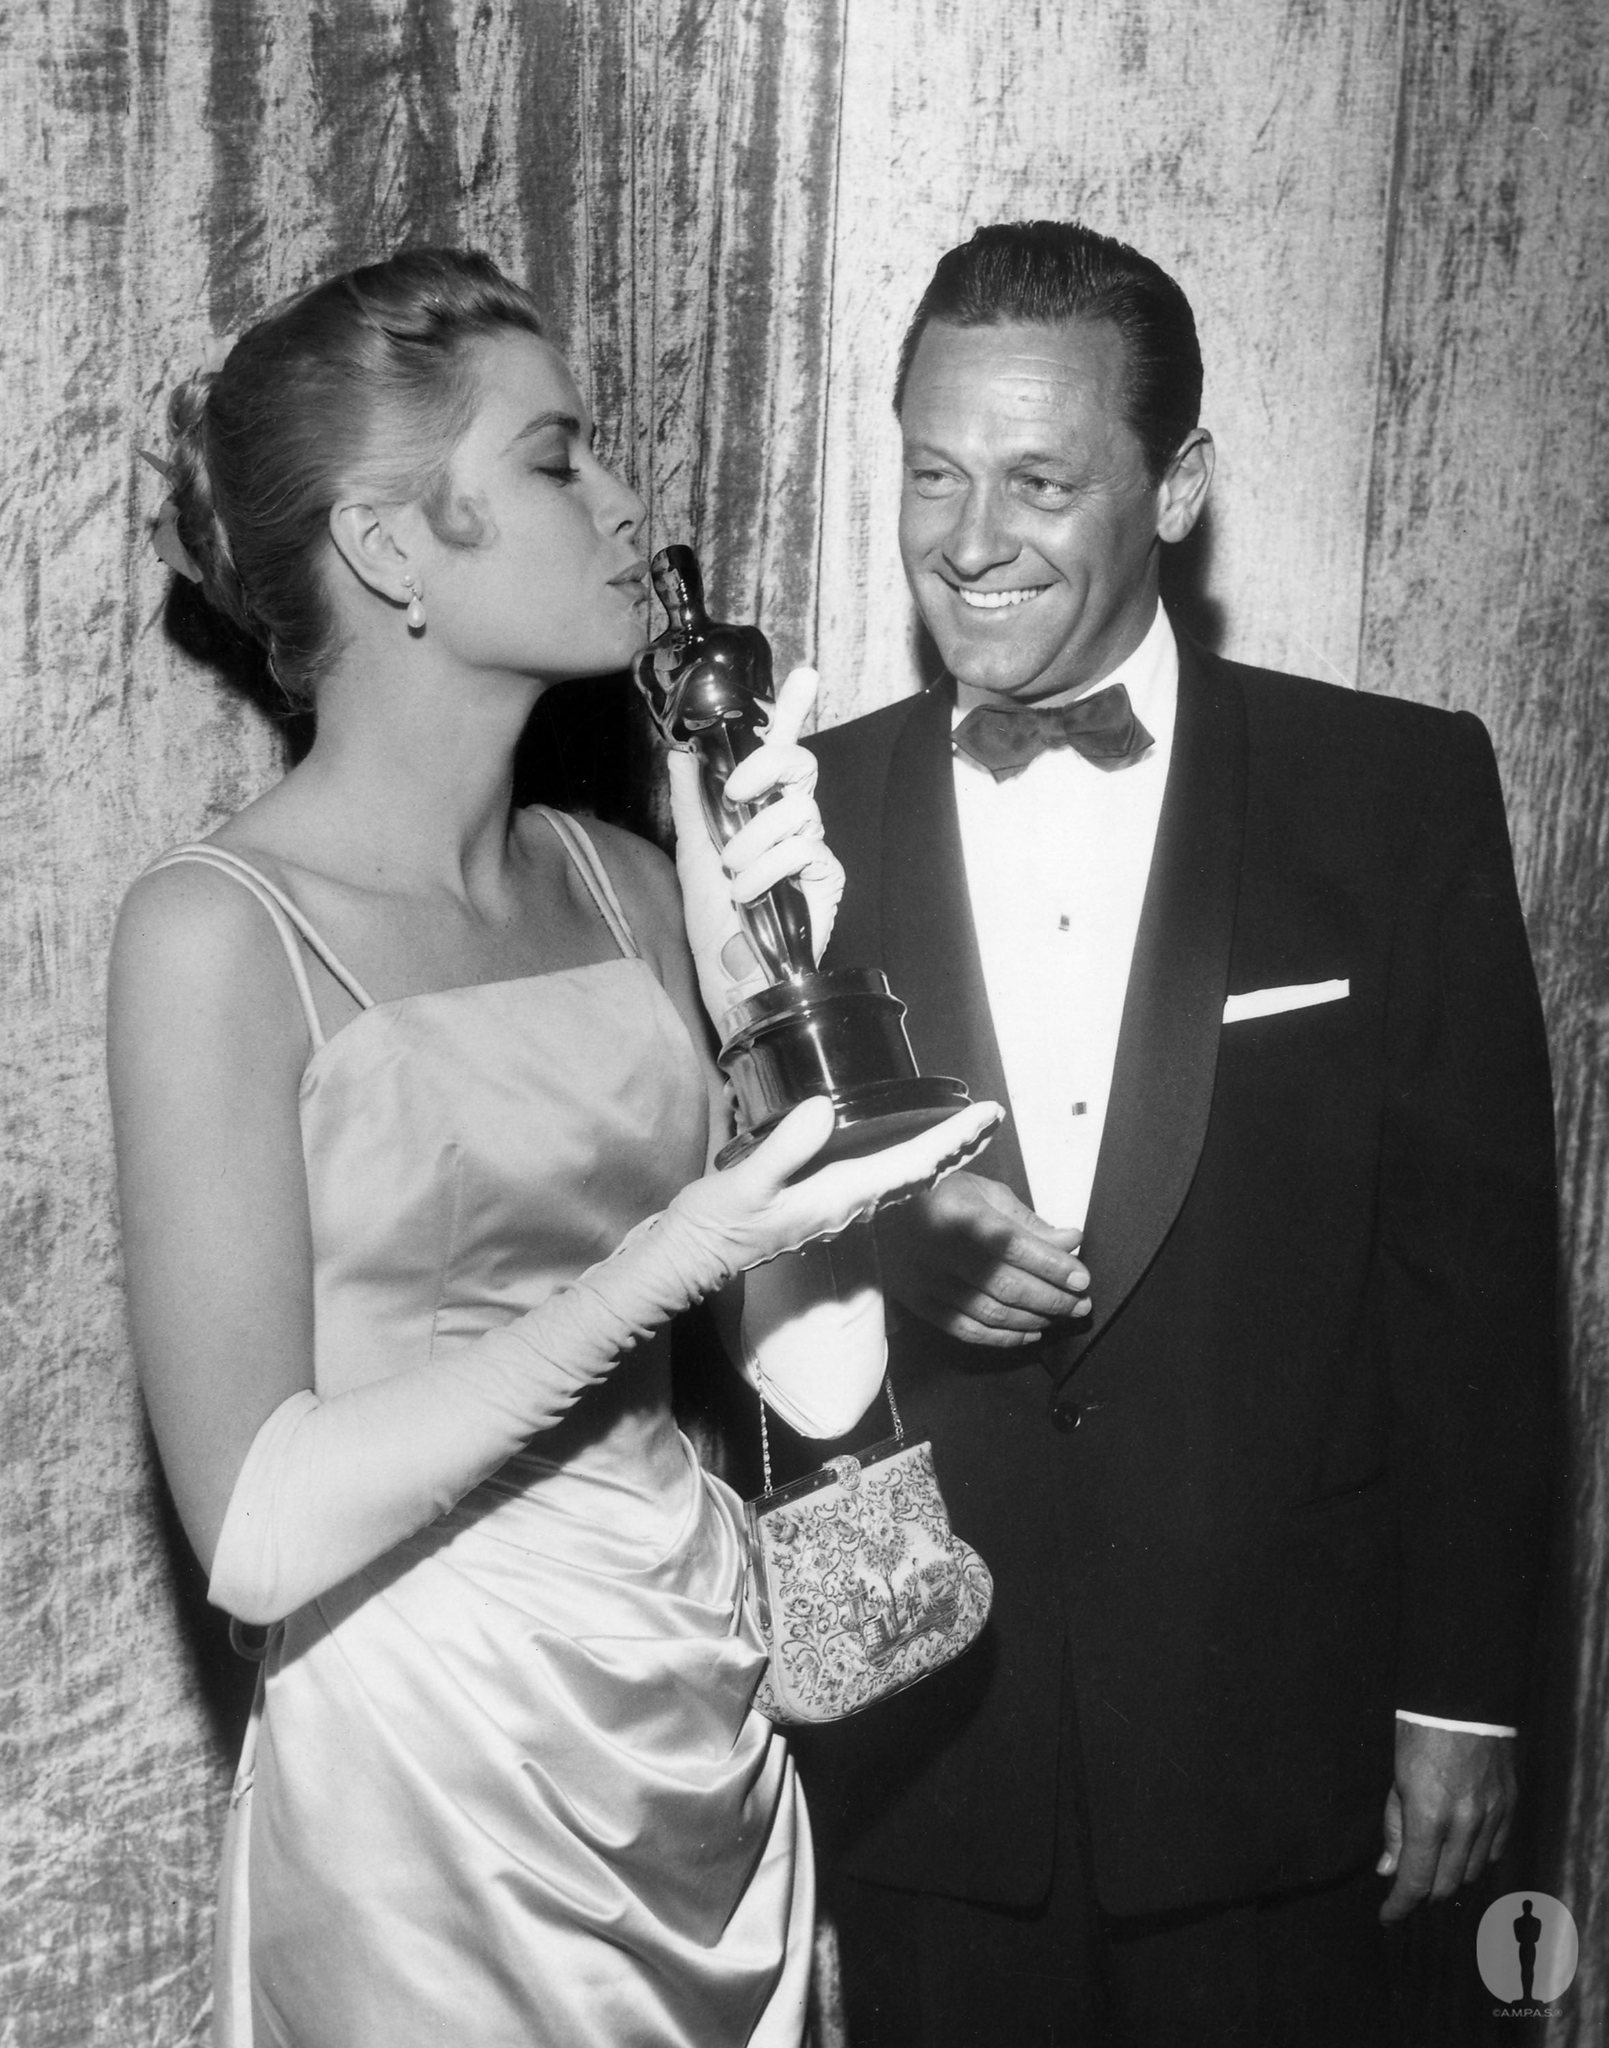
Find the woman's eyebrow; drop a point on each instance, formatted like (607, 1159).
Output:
(567, 421)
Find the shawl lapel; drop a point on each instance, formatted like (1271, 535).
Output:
(1167, 1052)
(930, 945)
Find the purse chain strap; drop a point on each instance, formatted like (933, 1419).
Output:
(765, 1435)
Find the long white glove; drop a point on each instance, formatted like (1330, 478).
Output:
(813, 1333)
(812, 1330)
(783, 838)
(329, 1485)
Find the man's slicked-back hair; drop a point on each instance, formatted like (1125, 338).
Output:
(1047, 272)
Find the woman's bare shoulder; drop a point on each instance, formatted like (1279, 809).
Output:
(643, 877)
(627, 854)
(190, 906)
(194, 947)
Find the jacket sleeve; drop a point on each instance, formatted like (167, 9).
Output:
(1466, 1278)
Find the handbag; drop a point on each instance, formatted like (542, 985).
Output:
(860, 1586)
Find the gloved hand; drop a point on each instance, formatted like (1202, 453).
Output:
(755, 1210)
(784, 838)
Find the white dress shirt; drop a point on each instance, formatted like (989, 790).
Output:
(1057, 860)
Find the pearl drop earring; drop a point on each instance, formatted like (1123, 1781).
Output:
(416, 606)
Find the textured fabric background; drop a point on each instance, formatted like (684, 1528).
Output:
(1391, 216)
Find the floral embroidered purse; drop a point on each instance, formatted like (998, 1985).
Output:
(861, 1587)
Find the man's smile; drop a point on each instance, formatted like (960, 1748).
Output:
(997, 600)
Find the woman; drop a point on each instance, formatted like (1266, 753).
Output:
(413, 1131)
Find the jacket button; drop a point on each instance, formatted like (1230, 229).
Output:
(1066, 1414)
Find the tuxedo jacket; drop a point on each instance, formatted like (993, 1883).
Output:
(1290, 1474)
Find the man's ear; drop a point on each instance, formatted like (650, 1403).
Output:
(1182, 493)
(372, 542)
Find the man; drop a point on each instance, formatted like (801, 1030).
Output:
(1235, 1350)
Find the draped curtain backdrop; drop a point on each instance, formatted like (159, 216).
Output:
(1391, 217)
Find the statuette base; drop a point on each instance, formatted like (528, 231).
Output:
(840, 1034)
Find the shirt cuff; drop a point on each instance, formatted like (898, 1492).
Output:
(1458, 1727)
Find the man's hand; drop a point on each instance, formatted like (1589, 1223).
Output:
(968, 1258)
(1447, 1815)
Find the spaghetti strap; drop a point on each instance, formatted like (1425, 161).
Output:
(290, 923)
(584, 856)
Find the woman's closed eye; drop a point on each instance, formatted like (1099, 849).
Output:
(562, 468)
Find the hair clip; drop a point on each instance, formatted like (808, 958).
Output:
(219, 351)
(170, 550)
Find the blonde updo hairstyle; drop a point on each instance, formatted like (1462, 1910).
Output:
(364, 384)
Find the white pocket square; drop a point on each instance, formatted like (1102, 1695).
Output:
(1268, 1002)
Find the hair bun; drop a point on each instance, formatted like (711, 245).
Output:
(197, 526)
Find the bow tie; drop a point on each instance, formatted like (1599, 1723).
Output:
(1103, 728)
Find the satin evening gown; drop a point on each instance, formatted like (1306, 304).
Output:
(506, 1786)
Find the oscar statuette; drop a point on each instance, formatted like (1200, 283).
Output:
(840, 1033)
